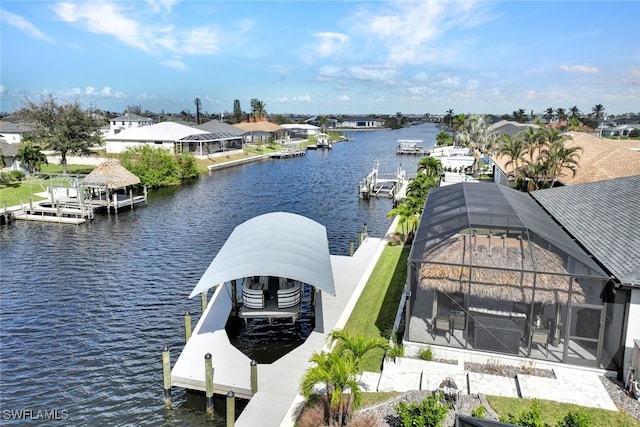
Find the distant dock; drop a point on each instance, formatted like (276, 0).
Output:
(410, 146)
(389, 186)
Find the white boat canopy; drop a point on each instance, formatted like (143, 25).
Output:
(276, 244)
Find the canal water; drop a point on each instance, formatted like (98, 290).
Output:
(86, 310)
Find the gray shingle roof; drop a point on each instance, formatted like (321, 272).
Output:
(604, 216)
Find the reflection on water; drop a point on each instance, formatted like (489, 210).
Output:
(86, 310)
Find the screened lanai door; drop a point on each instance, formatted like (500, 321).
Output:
(585, 330)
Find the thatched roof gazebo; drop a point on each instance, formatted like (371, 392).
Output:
(107, 185)
(112, 175)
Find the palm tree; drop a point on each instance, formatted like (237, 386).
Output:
(404, 212)
(548, 114)
(448, 119)
(258, 109)
(357, 346)
(575, 112)
(338, 372)
(598, 115)
(31, 156)
(514, 148)
(430, 166)
(559, 157)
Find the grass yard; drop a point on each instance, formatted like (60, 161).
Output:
(553, 412)
(375, 311)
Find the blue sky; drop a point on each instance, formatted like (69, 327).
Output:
(324, 57)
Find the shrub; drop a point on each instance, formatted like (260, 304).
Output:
(529, 418)
(426, 354)
(430, 412)
(366, 419)
(395, 351)
(313, 415)
(575, 419)
(479, 412)
(157, 167)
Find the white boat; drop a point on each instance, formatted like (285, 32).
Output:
(454, 158)
(410, 146)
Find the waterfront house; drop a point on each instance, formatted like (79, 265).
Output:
(176, 138)
(300, 131)
(12, 132)
(599, 159)
(9, 153)
(127, 121)
(361, 123)
(552, 276)
(260, 131)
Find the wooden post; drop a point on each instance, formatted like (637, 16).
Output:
(364, 230)
(234, 297)
(30, 205)
(254, 377)
(187, 327)
(231, 409)
(166, 375)
(208, 374)
(351, 248)
(6, 215)
(204, 300)
(131, 197)
(145, 194)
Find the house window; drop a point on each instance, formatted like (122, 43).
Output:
(157, 142)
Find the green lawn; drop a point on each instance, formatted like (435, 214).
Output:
(375, 311)
(553, 412)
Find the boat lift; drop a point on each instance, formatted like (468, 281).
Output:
(378, 185)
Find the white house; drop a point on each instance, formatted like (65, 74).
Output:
(12, 132)
(165, 134)
(128, 121)
(300, 131)
(361, 123)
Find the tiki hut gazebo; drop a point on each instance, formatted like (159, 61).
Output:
(488, 265)
(111, 185)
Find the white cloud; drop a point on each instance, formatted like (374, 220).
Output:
(104, 18)
(329, 44)
(23, 25)
(328, 72)
(90, 90)
(584, 69)
(344, 98)
(371, 73)
(158, 5)
(146, 97)
(113, 19)
(176, 64)
(3, 90)
(303, 98)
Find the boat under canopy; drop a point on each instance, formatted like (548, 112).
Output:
(277, 244)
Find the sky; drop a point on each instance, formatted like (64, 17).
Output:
(323, 57)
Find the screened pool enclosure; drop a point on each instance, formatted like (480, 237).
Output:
(490, 270)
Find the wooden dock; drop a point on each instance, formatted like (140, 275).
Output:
(277, 401)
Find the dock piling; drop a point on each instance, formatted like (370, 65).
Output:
(204, 301)
(254, 377)
(351, 248)
(208, 373)
(231, 409)
(187, 327)
(166, 375)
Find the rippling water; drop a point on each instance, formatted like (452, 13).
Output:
(86, 310)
